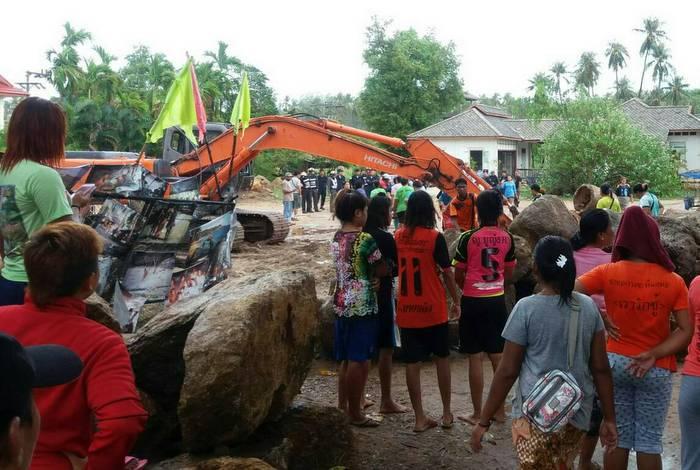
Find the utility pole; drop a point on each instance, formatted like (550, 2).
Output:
(27, 85)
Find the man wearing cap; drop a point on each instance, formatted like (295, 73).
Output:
(23, 370)
(288, 190)
(311, 191)
(94, 421)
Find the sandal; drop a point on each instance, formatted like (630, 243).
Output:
(446, 425)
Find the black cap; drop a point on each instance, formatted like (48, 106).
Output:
(22, 369)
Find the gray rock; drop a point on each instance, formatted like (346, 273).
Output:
(246, 357)
(99, 310)
(190, 462)
(546, 216)
(679, 239)
(586, 197)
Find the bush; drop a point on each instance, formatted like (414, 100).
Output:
(597, 144)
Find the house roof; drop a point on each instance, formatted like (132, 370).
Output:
(8, 89)
(660, 120)
(480, 120)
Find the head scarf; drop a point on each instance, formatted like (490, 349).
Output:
(639, 235)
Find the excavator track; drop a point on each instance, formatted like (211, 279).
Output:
(266, 227)
(238, 237)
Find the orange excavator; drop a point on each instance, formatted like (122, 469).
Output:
(227, 154)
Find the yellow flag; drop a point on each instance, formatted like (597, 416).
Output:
(240, 116)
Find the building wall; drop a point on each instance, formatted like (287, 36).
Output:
(692, 149)
(461, 146)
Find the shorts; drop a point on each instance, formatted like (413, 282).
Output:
(641, 405)
(401, 217)
(418, 344)
(481, 325)
(596, 419)
(297, 200)
(356, 338)
(11, 292)
(385, 336)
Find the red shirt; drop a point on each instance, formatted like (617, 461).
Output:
(692, 360)
(99, 415)
(422, 300)
(639, 298)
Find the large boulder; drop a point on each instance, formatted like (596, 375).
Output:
(246, 357)
(523, 256)
(190, 462)
(679, 238)
(546, 216)
(452, 237)
(586, 197)
(99, 310)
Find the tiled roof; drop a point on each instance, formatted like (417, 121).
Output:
(534, 130)
(659, 120)
(467, 123)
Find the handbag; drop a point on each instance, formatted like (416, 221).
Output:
(556, 396)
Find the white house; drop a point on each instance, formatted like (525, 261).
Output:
(488, 137)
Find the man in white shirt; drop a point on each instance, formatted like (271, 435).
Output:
(288, 191)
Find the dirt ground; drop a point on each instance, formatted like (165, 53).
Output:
(393, 445)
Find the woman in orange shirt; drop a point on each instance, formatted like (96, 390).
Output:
(641, 293)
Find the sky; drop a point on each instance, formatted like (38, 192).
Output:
(310, 47)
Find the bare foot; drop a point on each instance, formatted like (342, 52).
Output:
(472, 419)
(391, 408)
(422, 426)
(366, 402)
(448, 421)
(499, 418)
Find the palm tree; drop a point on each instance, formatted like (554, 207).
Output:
(617, 58)
(676, 89)
(623, 89)
(74, 37)
(652, 37)
(559, 71)
(587, 72)
(221, 58)
(66, 73)
(105, 56)
(660, 61)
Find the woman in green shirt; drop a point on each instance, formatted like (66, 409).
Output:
(608, 199)
(32, 193)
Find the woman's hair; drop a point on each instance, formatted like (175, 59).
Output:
(420, 211)
(555, 263)
(37, 132)
(346, 205)
(592, 223)
(58, 259)
(489, 206)
(378, 213)
(640, 188)
(605, 189)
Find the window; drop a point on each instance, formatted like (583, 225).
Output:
(176, 141)
(476, 159)
(678, 147)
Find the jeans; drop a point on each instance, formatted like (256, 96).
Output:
(288, 207)
(689, 414)
(11, 292)
(322, 194)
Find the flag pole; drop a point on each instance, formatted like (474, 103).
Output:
(233, 154)
(142, 153)
(211, 160)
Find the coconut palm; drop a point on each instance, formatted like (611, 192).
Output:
(74, 37)
(587, 72)
(623, 89)
(660, 63)
(617, 58)
(676, 89)
(66, 73)
(221, 58)
(559, 71)
(652, 37)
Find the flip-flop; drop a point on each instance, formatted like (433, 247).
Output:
(449, 425)
(366, 423)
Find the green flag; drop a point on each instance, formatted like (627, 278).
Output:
(178, 109)
(240, 116)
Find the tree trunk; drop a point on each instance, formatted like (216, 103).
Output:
(644, 69)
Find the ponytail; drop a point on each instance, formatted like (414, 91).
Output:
(555, 263)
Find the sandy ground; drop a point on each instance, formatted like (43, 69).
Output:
(393, 445)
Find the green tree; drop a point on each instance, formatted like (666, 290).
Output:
(617, 59)
(660, 63)
(66, 74)
(653, 34)
(676, 90)
(148, 76)
(340, 107)
(559, 72)
(413, 81)
(597, 143)
(587, 72)
(623, 89)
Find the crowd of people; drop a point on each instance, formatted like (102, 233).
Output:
(600, 322)
(609, 315)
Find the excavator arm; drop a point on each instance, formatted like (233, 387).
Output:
(331, 140)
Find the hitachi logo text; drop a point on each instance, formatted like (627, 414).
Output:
(381, 161)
